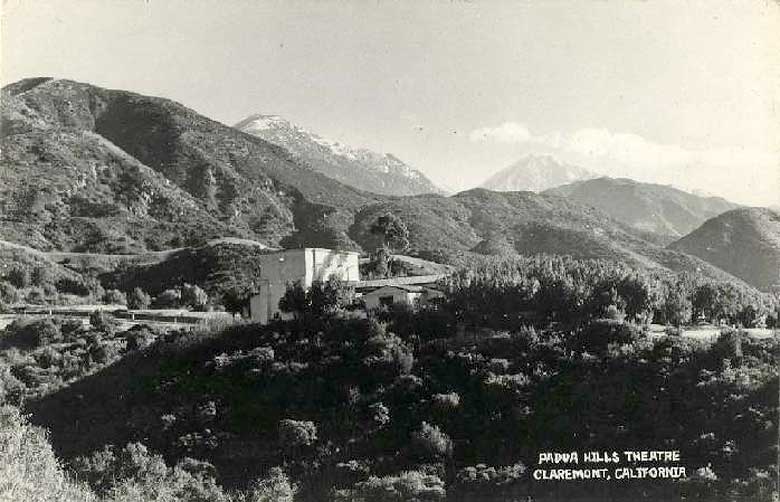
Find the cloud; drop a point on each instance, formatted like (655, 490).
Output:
(719, 170)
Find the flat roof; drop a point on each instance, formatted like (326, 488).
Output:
(295, 250)
(400, 281)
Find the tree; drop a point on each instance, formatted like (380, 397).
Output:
(296, 434)
(194, 297)
(170, 298)
(8, 292)
(319, 303)
(275, 487)
(19, 277)
(138, 299)
(675, 308)
(40, 276)
(114, 297)
(235, 300)
(393, 231)
(431, 442)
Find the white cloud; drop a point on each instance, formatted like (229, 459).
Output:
(746, 174)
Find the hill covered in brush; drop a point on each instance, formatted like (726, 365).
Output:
(658, 209)
(93, 169)
(744, 242)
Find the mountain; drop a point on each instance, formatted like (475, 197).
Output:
(483, 222)
(744, 242)
(648, 207)
(535, 173)
(358, 167)
(93, 169)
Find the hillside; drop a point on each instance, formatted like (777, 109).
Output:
(535, 173)
(658, 209)
(92, 169)
(357, 167)
(744, 242)
(505, 223)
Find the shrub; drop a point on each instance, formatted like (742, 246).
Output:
(170, 298)
(598, 335)
(28, 468)
(41, 276)
(30, 333)
(275, 487)
(136, 474)
(294, 434)
(138, 299)
(139, 337)
(114, 297)
(36, 296)
(72, 286)
(446, 402)
(8, 292)
(194, 297)
(19, 277)
(408, 486)
(103, 321)
(431, 442)
(321, 302)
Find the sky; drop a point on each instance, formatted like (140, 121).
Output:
(676, 92)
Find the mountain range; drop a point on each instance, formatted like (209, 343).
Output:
(378, 173)
(88, 169)
(536, 173)
(657, 209)
(93, 169)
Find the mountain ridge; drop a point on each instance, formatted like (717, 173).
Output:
(744, 242)
(384, 174)
(111, 171)
(648, 207)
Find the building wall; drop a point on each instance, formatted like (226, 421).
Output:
(278, 270)
(373, 300)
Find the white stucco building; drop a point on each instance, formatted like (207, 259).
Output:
(399, 293)
(281, 269)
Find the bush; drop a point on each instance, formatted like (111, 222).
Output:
(446, 402)
(194, 297)
(8, 293)
(114, 297)
(28, 468)
(294, 434)
(431, 442)
(36, 296)
(598, 335)
(72, 286)
(275, 487)
(19, 277)
(140, 337)
(30, 333)
(321, 302)
(41, 276)
(138, 299)
(136, 474)
(408, 486)
(170, 298)
(103, 321)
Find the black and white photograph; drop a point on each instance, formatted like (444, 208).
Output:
(389, 250)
